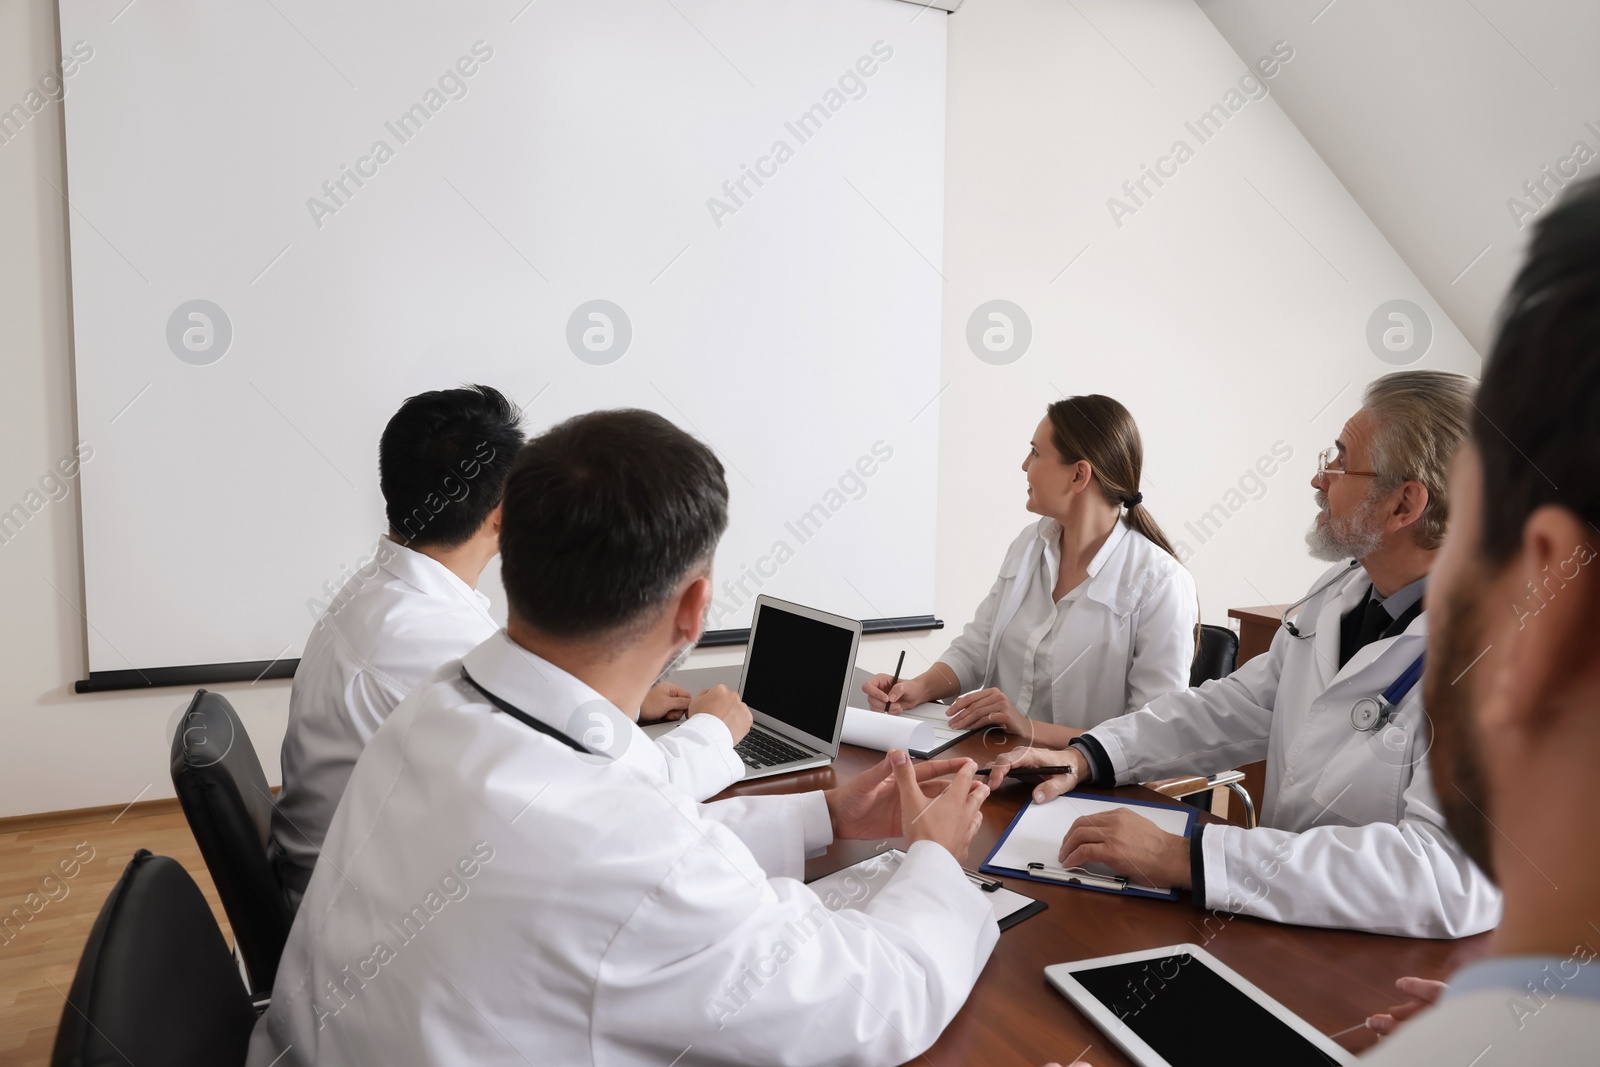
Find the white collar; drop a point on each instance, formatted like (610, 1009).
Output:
(1107, 589)
(532, 684)
(426, 574)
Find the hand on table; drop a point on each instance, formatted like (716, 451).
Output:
(897, 798)
(725, 704)
(1050, 788)
(1424, 993)
(1131, 845)
(987, 707)
(664, 701)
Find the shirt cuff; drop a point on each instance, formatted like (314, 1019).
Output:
(708, 726)
(815, 823)
(1197, 867)
(719, 740)
(1101, 772)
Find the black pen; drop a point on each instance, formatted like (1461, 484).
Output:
(894, 681)
(1031, 772)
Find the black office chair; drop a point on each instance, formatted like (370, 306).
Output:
(225, 797)
(155, 984)
(1215, 656)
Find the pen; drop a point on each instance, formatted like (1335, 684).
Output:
(986, 884)
(1078, 876)
(894, 681)
(1031, 772)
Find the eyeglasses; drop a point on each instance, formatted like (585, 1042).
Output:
(1329, 456)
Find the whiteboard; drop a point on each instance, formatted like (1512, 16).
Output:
(288, 217)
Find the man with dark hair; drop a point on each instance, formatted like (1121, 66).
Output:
(442, 465)
(1513, 670)
(512, 878)
(436, 449)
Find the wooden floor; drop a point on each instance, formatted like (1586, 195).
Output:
(39, 958)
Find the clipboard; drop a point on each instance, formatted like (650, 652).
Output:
(989, 866)
(871, 874)
(929, 753)
(1028, 911)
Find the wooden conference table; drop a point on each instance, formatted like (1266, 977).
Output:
(1333, 979)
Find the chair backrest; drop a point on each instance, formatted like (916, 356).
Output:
(225, 797)
(1216, 656)
(155, 984)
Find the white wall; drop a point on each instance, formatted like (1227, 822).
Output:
(1228, 312)
(58, 750)
(1435, 114)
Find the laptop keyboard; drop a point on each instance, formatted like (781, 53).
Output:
(763, 750)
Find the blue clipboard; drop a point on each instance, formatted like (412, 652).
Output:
(1010, 872)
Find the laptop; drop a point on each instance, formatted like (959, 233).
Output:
(796, 680)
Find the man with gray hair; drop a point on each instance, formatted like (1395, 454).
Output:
(1352, 834)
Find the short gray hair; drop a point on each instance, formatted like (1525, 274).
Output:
(1422, 418)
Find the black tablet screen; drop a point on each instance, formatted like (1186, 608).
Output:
(1194, 1017)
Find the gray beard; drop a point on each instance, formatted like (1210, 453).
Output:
(673, 664)
(1355, 538)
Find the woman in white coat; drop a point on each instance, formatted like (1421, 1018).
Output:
(1091, 617)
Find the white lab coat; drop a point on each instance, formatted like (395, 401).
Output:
(1351, 832)
(489, 896)
(389, 627)
(1128, 638)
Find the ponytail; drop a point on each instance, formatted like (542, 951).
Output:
(1140, 519)
(1102, 431)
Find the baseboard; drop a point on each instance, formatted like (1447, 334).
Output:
(15, 824)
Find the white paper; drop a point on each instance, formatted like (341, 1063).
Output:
(858, 883)
(882, 731)
(938, 716)
(1037, 836)
(932, 715)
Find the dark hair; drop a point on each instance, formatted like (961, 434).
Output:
(1100, 430)
(604, 516)
(442, 463)
(1536, 423)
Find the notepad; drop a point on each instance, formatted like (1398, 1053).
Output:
(923, 730)
(881, 731)
(939, 716)
(858, 883)
(1036, 833)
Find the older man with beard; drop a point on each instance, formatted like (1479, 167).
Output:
(1513, 678)
(1351, 833)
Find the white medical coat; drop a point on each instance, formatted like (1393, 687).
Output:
(1128, 638)
(1351, 832)
(390, 626)
(487, 895)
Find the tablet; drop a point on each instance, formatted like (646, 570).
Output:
(1180, 1006)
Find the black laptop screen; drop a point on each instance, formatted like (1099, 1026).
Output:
(798, 668)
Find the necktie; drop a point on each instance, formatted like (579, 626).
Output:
(1375, 619)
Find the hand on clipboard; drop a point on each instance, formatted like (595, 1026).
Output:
(1120, 846)
(1130, 844)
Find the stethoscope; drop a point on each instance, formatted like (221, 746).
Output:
(1283, 620)
(1369, 715)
